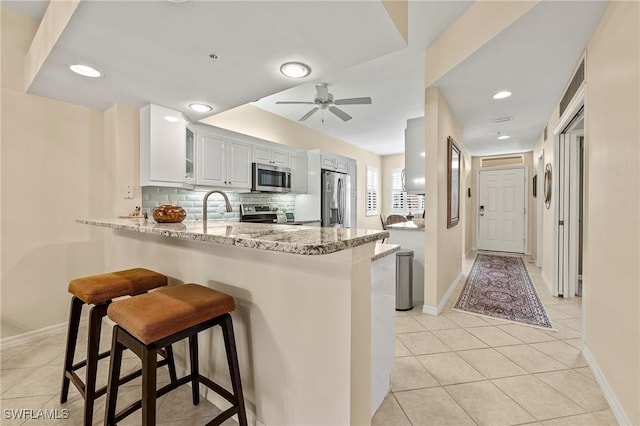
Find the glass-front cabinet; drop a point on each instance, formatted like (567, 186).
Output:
(190, 150)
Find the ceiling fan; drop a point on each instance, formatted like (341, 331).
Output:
(324, 101)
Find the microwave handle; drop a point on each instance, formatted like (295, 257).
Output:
(289, 180)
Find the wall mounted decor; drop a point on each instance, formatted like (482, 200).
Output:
(547, 185)
(535, 186)
(453, 183)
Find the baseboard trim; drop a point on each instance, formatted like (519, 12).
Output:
(436, 310)
(548, 284)
(33, 336)
(609, 394)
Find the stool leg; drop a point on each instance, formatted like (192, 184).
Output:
(171, 364)
(195, 371)
(149, 365)
(72, 338)
(114, 378)
(93, 349)
(234, 367)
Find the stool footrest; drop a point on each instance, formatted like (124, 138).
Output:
(130, 409)
(83, 363)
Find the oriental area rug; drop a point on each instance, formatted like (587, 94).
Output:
(500, 287)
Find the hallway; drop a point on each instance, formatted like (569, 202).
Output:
(461, 369)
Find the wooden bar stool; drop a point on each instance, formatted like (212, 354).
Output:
(151, 321)
(99, 290)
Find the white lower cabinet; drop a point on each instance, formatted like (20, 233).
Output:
(223, 161)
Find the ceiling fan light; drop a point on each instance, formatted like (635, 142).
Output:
(501, 95)
(295, 69)
(85, 70)
(198, 107)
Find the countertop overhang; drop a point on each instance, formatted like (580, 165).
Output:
(406, 226)
(294, 239)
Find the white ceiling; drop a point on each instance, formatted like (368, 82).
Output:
(157, 52)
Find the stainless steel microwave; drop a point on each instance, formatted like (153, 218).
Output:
(267, 178)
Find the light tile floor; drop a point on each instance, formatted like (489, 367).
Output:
(459, 369)
(31, 375)
(454, 369)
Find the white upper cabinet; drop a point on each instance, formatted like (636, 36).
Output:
(270, 155)
(334, 162)
(222, 161)
(239, 163)
(299, 172)
(162, 147)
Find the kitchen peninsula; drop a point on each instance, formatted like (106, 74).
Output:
(303, 318)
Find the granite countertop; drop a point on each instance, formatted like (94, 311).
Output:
(300, 222)
(383, 250)
(406, 226)
(295, 239)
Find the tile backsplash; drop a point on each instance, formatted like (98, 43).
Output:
(191, 201)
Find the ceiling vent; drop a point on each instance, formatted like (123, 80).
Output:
(502, 161)
(501, 120)
(575, 84)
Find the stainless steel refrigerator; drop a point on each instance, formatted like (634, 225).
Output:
(336, 199)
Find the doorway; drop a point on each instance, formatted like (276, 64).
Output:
(540, 211)
(502, 209)
(570, 209)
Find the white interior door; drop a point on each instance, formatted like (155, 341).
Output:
(501, 210)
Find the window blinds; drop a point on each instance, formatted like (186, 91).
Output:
(401, 202)
(371, 202)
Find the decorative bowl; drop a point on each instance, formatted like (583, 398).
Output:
(418, 222)
(169, 213)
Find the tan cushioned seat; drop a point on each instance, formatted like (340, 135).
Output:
(150, 317)
(101, 288)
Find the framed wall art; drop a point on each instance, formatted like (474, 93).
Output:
(453, 183)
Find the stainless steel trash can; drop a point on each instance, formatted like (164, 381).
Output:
(404, 280)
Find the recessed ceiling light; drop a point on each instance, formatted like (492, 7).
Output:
(503, 137)
(85, 70)
(502, 95)
(200, 107)
(171, 118)
(295, 69)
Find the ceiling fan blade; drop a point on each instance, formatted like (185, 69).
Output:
(353, 101)
(309, 114)
(322, 92)
(340, 113)
(295, 102)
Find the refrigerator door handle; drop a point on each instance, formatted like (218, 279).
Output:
(340, 200)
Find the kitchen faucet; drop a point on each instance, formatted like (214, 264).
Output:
(204, 205)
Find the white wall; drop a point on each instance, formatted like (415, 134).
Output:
(52, 173)
(443, 246)
(612, 270)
